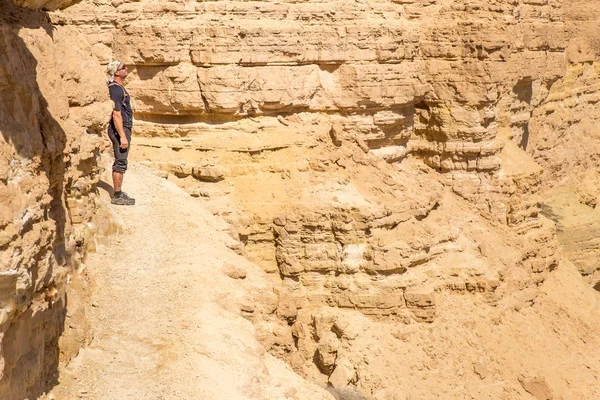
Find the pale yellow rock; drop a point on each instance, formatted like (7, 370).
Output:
(327, 352)
(234, 272)
(342, 375)
(394, 167)
(537, 387)
(47, 186)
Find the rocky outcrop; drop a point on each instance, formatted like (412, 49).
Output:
(410, 80)
(50, 96)
(360, 163)
(375, 158)
(398, 80)
(564, 141)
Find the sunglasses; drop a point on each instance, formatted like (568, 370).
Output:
(123, 67)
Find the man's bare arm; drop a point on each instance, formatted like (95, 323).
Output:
(118, 120)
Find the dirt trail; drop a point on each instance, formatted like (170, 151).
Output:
(166, 318)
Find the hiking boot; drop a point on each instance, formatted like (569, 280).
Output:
(122, 200)
(124, 195)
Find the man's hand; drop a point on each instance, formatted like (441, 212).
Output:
(124, 142)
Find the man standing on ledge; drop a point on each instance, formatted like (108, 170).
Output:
(119, 129)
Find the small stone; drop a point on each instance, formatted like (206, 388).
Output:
(343, 374)
(346, 328)
(287, 309)
(480, 369)
(182, 170)
(336, 133)
(211, 174)
(327, 352)
(95, 304)
(282, 120)
(362, 144)
(234, 272)
(537, 387)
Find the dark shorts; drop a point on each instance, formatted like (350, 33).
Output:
(120, 164)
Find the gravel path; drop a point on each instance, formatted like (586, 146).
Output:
(166, 318)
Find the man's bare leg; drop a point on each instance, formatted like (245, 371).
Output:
(117, 180)
(119, 197)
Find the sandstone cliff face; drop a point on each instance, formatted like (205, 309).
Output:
(372, 157)
(48, 151)
(445, 82)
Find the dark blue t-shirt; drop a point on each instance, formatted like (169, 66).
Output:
(120, 96)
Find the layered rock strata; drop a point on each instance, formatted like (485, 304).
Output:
(371, 156)
(564, 141)
(49, 123)
(409, 79)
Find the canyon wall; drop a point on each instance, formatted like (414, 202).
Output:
(389, 164)
(450, 84)
(51, 111)
(385, 162)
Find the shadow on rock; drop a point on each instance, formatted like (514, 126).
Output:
(32, 185)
